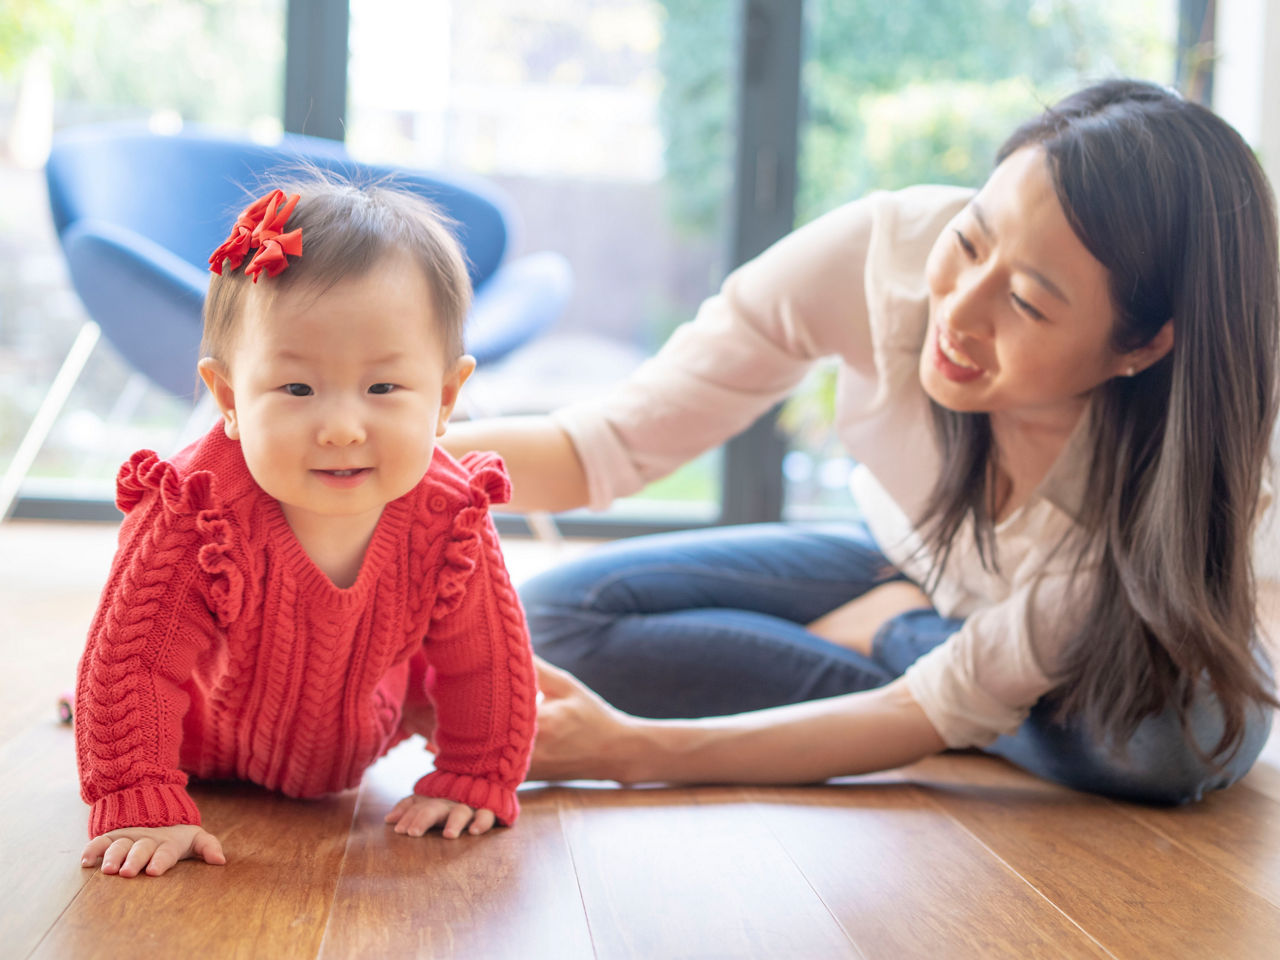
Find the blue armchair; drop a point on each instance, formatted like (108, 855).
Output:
(138, 214)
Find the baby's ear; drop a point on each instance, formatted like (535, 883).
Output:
(217, 378)
(450, 390)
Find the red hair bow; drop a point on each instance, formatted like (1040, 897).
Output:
(260, 226)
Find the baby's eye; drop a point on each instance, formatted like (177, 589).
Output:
(382, 388)
(297, 389)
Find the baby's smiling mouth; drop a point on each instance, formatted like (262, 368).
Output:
(344, 474)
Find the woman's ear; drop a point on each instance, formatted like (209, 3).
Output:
(1151, 352)
(462, 368)
(216, 377)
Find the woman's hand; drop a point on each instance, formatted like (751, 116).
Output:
(129, 851)
(580, 737)
(855, 624)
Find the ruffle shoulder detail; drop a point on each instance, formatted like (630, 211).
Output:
(189, 502)
(488, 476)
(487, 483)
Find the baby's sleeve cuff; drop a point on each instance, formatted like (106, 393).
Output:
(159, 805)
(473, 791)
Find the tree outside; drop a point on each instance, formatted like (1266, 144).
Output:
(895, 93)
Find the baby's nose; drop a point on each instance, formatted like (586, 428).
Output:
(341, 427)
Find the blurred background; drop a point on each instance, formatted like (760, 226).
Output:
(655, 143)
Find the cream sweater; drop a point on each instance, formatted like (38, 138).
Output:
(851, 285)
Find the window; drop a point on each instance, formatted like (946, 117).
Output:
(67, 62)
(609, 126)
(920, 91)
(612, 125)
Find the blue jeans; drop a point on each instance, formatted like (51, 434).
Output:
(711, 622)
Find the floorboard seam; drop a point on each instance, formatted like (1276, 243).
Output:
(61, 913)
(342, 866)
(1191, 851)
(1008, 866)
(758, 809)
(577, 878)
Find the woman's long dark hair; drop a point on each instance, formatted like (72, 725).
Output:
(1172, 202)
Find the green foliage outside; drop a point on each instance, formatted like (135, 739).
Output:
(895, 93)
(122, 55)
(26, 25)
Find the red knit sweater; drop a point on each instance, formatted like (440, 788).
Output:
(221, 651)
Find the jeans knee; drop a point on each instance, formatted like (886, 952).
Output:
(548, 589)
(561, 628)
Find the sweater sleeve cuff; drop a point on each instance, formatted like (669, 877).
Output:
(473, 791)
(161, 805)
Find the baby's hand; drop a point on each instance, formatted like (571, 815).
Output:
(416, 815)
(130, 850)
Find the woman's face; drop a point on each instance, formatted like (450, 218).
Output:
(1020, 313)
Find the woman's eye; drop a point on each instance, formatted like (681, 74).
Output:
(297, 389)
(382, 388)
(969, 249)
(1026, 308)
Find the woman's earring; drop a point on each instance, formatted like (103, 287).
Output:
(1130, 371)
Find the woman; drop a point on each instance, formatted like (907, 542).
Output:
(1060, 391)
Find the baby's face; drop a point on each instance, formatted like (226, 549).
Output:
(338, 397)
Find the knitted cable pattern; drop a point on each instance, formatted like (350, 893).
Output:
(485, 778)
(220, 649)
(127, 673)
(231, 687)
(196, 497)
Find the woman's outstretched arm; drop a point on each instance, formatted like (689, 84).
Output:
(582, 737)
(546, 473)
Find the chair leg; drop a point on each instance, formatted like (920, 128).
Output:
(47, 415)
(127, 401)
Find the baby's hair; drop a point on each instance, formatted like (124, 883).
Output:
(347, 229)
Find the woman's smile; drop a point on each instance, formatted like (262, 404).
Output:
(950, 361)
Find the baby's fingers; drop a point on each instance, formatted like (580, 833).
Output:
(421, 817)
(165, 857)
(138, 857)
(399, 810)
(115, 854)
(208, 848)
(483, 822)
(93, 851)
(457, 821)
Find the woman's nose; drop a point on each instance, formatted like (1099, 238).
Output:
(969, 306)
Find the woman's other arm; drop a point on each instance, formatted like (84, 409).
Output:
(746, 349)
(546, 472)
(582, 737)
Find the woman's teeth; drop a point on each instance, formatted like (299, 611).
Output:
(952, 354)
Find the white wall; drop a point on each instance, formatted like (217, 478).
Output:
(1246, 84)
(1246, 92)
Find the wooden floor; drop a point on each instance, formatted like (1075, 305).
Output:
(959, 856)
